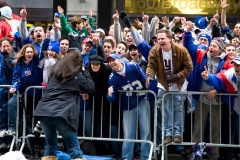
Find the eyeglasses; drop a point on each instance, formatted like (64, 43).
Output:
(127, 31)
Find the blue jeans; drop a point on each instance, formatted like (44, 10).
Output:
(159, 122)
(49, 126)
(12, 113)
(176, 108)
(129, 128)
(87, 121)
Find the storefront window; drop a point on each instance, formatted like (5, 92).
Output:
(179, 6)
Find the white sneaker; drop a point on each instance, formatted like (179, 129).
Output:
(10, 132)
(3, 133)
(3, 146)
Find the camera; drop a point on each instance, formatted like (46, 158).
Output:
(216, 31)
(230, 35)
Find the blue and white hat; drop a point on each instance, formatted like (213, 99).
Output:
(236, 60)
(201, 22)
(113, 56)
(57, 14)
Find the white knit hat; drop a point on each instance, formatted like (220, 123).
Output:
(6, 12)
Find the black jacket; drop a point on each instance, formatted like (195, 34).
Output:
(62, 100)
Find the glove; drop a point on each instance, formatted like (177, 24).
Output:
(148, 79)
(174, 78)
(125, 19)
(37, 130)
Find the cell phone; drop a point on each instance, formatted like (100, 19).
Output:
(50, 27)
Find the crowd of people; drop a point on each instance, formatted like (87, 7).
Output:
(82, 70)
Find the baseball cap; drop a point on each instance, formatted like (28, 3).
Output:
(236, 60)
(132, 46)
(95, 59)
(100, 30)
(84, 17)
(30, 30)
(113, 56)
(178, 30)
(201, 22)
(57, 14)
(87, 40)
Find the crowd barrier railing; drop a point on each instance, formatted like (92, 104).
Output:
(158, 104)
(189, 97)
(93, 114)
(4, 98)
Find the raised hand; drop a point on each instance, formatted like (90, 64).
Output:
(189, 26)
(90, 12)
(224, 4)
(145, 18)
(138, 23)
(216, 15)
(125, 19)
(176, 19)
(165, 21)
(60, 10)
(183, 20)
(116, 16)
(205, 73)
(23, 13)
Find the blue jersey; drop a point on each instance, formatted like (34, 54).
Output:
(134, 79)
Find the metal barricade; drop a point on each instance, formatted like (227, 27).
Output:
(5, 97)
(119, 138)
(220, 101)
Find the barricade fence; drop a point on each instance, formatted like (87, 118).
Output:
(5, 96)
(100, 120)
(104, 121)
(208, 116)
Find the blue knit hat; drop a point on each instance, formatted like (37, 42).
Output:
(205, 35)
(54, 46)
(201, 22)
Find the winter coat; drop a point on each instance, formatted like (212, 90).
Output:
(27, 75)
(181, 61)
(62, 99)
(66, 29)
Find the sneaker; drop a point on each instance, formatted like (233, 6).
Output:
(3, 133)
(10, 132)
(168, 139)
(177, 139)
(3, 146)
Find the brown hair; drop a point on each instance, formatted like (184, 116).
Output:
(68, 66)
(5, 39)
(57, 56)
(21, 54)
(124, 43)
(75, 20)
(228, 45)
(167, 32)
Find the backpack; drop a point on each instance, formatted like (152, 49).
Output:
(76, 40)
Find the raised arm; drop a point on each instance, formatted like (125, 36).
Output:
(146, 28)
(117, 28)
(23, 23)
(224, 14)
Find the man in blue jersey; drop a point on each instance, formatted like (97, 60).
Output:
(128, 77)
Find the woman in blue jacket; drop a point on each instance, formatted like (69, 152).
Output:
(26, 73)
